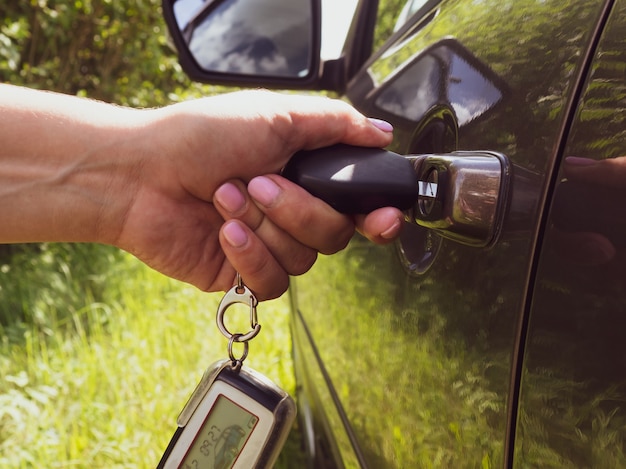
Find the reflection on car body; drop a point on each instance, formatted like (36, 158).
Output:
(444, 74)
(452, 355)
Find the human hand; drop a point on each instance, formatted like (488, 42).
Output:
(204, 154)
(275, 228)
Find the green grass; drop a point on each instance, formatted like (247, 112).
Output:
(101, 384)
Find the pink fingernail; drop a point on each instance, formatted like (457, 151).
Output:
(230, 197)
(381, 124)
(235, 235)
(263, 190)
(392, 231)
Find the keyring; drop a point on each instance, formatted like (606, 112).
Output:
(237, 362)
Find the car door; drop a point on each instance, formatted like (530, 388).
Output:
(409, 355)
(573, 388)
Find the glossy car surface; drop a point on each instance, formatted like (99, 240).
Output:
(435, 353)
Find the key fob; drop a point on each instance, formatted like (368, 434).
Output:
(235, 418)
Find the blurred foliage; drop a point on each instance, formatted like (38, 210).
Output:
(116, 51)
(528, 63)
(427, 397)
(90, 378)
(46, 284)
(388, 13)
(603, 112)
(105, 392)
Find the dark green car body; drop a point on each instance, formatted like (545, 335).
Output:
(434, 353)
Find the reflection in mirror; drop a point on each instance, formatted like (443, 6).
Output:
(337, 17)
(248, 37)
(445, 74)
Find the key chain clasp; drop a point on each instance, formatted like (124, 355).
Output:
(236, 295)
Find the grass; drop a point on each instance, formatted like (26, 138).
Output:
(98, 355)
(100, 384)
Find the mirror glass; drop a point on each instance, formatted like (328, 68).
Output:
(248, 37)
(446, 74)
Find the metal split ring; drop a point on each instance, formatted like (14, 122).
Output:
(237, 362)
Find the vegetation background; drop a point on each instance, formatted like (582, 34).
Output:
(98, 353)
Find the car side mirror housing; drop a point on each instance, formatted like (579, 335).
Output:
(270, 43)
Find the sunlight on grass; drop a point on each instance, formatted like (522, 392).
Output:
(105, 390)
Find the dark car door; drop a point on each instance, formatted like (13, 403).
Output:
(409, 355)
(572, 411)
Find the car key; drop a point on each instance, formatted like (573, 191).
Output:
(236, 417)
(355, 179)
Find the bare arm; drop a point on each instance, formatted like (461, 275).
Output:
(145, 180)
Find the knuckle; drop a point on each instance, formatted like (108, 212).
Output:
(302, 262)
(277, 289)
(339, 242)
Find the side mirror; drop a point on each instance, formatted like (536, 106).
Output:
(271, 43)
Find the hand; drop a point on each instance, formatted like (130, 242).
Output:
(275, 229)
(175, 221)
(73, 169)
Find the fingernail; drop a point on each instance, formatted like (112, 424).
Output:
(381, 124)
(230, 197)
(263, 190)
(392, 231)
(578, 161)
(235, 235)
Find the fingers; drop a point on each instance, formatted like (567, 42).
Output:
(249, 256)
(316, 122)
(261, 251)
(296, 257)
(381, 226)
(309, 220)
(250, 133)
(275, 229)
(301, 121)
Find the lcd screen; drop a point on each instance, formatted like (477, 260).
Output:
(222, 436)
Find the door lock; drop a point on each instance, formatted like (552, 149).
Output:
(461, 195)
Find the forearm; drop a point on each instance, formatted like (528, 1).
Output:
(65, 164)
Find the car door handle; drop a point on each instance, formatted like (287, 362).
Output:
(461, 195)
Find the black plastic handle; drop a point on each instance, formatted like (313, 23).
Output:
(355, 179)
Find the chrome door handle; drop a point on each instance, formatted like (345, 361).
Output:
(461, 195)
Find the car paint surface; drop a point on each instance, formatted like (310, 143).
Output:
(574, 375)
(410, 355)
